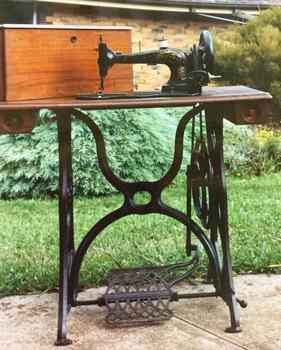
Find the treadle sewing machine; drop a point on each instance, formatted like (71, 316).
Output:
(139, 293)
(189, 71)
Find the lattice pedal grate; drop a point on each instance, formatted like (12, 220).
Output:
(137, 294)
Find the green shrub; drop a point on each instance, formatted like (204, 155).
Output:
(252, 150)
(139, 145)
(252, 56)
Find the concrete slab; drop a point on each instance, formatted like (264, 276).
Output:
(29, 322)
(260, 321)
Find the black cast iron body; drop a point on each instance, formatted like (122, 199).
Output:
(206, 188)
(189, 71)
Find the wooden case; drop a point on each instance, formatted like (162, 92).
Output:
(46, 61)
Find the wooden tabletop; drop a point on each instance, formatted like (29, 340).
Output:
(209, 95)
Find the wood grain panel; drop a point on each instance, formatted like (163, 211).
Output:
(1, 67)
(46, 63)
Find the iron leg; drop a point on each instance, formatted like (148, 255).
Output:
(65, 221)
(215, 144)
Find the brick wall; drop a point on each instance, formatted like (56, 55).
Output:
(181, 30)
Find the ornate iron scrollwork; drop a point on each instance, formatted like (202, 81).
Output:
(141, 294)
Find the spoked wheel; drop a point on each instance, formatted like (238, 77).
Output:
(206, 52)
(202, 184)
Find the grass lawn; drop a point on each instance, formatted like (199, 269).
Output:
(29, 236)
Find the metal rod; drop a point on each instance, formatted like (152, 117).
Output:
(195, 295)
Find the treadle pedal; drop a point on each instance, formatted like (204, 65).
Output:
(137, 295)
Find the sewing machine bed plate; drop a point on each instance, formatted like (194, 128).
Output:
(133, 94)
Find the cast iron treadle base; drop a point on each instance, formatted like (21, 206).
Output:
(138, 294)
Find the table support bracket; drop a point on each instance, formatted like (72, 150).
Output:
(206, 191)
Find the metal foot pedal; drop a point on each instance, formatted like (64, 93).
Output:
(144, 293)
(138, 294)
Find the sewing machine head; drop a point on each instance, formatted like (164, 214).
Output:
(189, 71)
